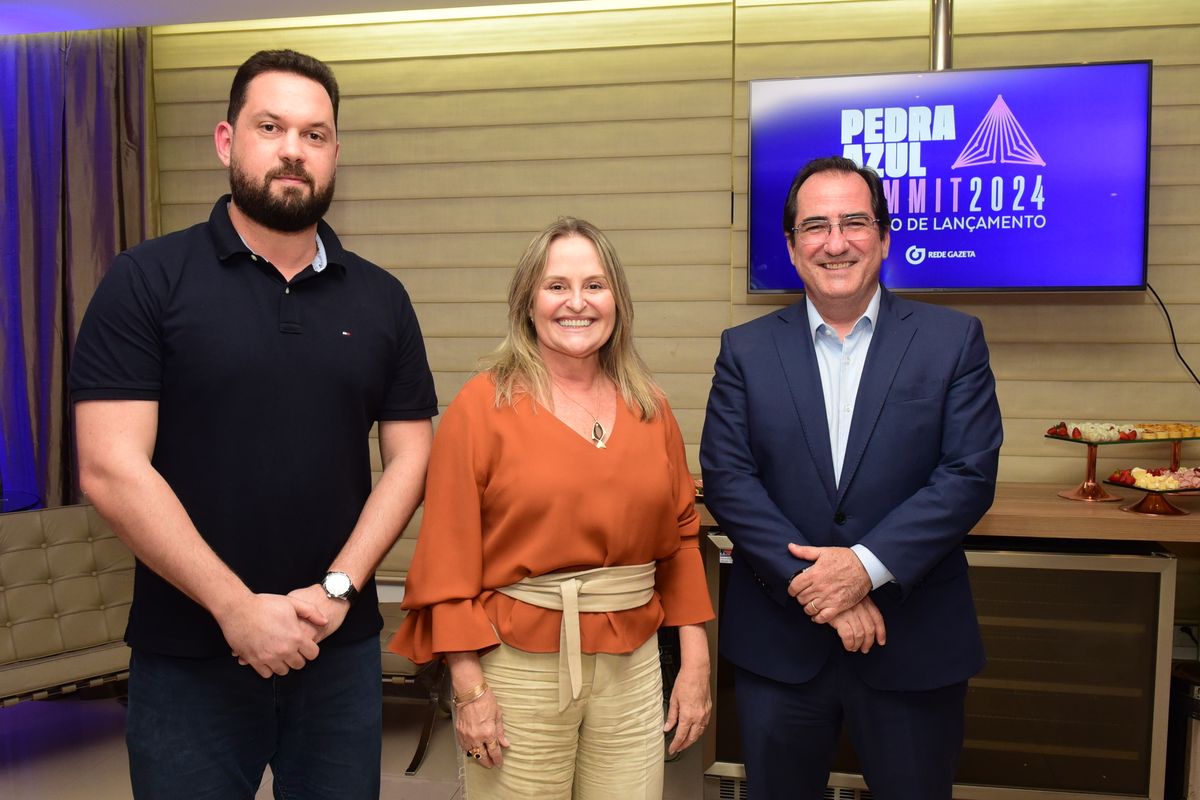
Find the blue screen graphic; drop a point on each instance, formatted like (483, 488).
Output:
(1028, 178)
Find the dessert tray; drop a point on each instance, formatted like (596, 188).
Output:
(1098, 434)
(1157, 483)
(1114, 433)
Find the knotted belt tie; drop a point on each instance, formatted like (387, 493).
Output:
(589, 590)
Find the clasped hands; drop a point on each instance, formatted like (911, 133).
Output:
(274, 633)
(835, 591)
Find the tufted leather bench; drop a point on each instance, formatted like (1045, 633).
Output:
(66, 582)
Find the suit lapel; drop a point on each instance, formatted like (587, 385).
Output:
(799, 361)
(888, 345)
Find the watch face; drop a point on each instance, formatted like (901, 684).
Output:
(337, 583)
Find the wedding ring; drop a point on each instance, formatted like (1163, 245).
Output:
(475, 753)
(813, 605)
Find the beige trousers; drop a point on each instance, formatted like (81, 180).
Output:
(607, 744)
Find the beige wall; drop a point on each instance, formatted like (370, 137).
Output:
(464, 132)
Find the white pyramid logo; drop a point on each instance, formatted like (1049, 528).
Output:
(999, 138)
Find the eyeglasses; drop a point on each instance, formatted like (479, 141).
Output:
(816, 231)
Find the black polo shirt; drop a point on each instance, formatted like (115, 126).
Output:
(267, 391)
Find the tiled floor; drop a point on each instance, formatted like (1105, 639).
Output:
(73, 749)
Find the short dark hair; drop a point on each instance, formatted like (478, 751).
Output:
(279, 61)
(837, 164)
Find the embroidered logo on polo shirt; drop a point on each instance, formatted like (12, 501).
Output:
(347, 333)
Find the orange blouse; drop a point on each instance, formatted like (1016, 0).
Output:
(513, 492)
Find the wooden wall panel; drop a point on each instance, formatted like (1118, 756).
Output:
(788, 60)
(603, 67)
(1069, 16)
(524, 29)
(810, 22)
(1167, 45)
(1176, 165)
(491, 249)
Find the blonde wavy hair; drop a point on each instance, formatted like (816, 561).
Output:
(517, 366)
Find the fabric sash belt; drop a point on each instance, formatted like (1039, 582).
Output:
(589, 590)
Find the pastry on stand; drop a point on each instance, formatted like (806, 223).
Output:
(1099, 434)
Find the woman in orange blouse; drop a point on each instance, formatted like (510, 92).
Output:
(559, 534)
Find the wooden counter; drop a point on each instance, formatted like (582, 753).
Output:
(1035, 510)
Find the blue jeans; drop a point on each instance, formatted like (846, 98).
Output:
(208, 727)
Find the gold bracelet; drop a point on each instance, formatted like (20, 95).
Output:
(470, 696)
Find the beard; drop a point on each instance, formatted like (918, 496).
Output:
(292, 211)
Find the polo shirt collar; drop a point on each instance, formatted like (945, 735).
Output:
(229, 242)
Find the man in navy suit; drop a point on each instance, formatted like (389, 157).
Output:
(850, 443)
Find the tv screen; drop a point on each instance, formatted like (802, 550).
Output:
(1019, 179)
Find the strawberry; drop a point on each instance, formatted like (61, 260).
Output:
(1075, 433)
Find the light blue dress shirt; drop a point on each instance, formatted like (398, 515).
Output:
(840, 362)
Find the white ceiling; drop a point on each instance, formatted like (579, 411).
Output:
(42, 16)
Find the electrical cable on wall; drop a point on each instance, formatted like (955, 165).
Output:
(1171, 328)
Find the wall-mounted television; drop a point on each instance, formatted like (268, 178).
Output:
(1013, 179)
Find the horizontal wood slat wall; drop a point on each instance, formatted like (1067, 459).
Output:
(1099, 356)
(462, 135)
(464, 131)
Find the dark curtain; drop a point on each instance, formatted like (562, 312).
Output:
(74, 174)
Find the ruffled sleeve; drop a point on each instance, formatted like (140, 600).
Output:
(679, 579)
(442, 590)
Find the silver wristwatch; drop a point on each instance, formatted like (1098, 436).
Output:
(338, 586)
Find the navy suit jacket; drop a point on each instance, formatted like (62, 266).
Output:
(919, 472)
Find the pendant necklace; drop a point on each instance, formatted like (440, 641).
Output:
(598, 432)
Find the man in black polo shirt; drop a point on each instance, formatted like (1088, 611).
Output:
(225, 382)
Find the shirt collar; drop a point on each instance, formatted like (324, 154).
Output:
(816, 322)
(319, 262)
(229, 241)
